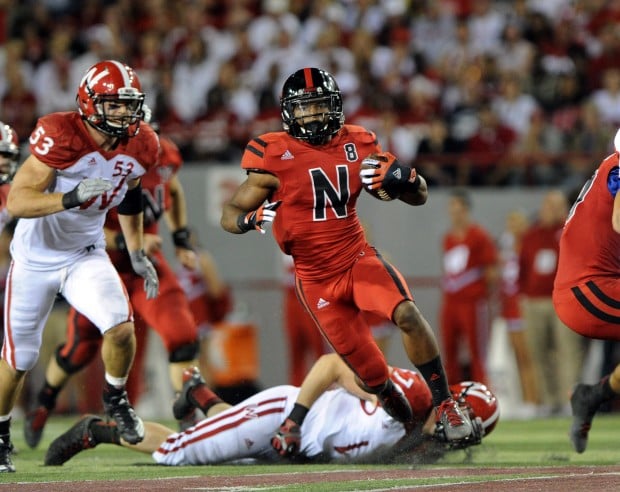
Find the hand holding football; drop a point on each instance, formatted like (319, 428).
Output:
(373, 173)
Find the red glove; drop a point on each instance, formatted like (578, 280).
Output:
(287, 441)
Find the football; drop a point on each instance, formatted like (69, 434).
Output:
(372, 162)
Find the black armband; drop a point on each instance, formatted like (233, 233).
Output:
(180, 238)
(298, 414)
(119, 241)
(242, 224)
(132, 203)
(70, 199)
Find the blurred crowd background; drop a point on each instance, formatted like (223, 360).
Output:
(471, 92)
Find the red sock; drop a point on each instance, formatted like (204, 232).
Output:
(203, 397)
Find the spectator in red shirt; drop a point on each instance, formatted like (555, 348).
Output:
(470, 267)
(488, 151)
(557, 352)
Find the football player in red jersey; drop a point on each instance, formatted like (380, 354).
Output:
(311, 174)
(169, 315)
(586, 290)
(82, 163)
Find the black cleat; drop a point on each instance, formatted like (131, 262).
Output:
(6, 450)
(130, 426)
(34, 425)
(584, 403)
(188, 421)
(67, 445)
(184, 407)
(455, 424)
(395, 403)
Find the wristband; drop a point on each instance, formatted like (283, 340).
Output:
(298, 414)
(180, 238)
(242, 224)
(70, 199)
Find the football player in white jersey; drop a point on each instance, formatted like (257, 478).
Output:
(82, 163)
(344, 423)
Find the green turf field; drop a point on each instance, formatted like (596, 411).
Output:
(542, 442)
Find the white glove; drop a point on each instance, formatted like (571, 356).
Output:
(85, 190)
(143, 267)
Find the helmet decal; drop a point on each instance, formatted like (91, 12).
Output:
(111, 82)
(479, 400)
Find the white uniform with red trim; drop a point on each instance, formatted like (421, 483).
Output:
(339, 425)
(65, 252)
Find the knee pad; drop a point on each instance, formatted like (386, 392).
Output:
(183, 353)
(77, 357)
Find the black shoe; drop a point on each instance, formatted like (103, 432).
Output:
(67, 445)
(183, 407)
(395, 403)
(34, 425)
(6, 450)
(584, 403)
(130, 426)
(188, 421)
(453, 421)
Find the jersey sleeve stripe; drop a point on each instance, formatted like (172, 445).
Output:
(592, 309)
(254, 150)
(602, 296)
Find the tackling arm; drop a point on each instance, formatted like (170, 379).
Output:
(329, 369)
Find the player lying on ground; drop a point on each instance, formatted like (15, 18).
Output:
(340, 425)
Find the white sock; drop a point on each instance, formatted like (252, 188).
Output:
(118, 383)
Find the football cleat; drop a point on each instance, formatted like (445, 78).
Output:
(395, 403)
(6, 450)
(130, 426)
(473, 439)
(67, 445)
(453, 422)
(584, 403)
(189, 420)
(184, 406)
(34, 425)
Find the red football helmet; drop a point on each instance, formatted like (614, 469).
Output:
(480, 402)
(415, 390)
(9, 153)
(116, 84)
